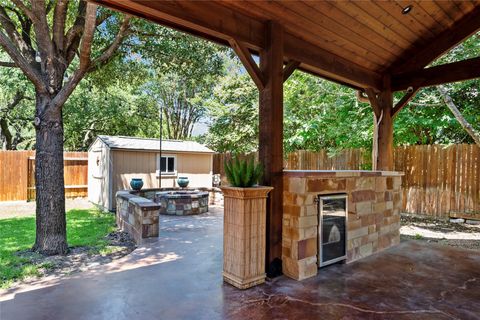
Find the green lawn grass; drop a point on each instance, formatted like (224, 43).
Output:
(84, 228)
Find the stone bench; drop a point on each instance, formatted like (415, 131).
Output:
(138, 216)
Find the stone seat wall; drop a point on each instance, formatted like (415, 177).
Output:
(137, 215)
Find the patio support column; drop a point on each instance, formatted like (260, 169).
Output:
(382, 105)
(270, 151)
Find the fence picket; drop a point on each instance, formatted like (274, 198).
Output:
(17, 175)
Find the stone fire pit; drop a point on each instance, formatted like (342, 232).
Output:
(182, 203)
(138, 211)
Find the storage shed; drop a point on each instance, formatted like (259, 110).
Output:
(114, 160)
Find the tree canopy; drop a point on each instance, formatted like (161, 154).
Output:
(194, 81)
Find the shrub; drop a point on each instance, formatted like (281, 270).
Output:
(243, 173)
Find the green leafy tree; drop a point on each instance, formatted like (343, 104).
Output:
(183, 72)
(53, 44)
(320, 114)
(16, 110)
(233, 112)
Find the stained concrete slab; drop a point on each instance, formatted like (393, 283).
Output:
(179, 277)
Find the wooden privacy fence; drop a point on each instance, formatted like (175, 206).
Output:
(349, 159)
(17, 175)
(439, 180)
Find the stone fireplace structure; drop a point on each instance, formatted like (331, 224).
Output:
(373, 222)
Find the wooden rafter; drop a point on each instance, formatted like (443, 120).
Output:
(325, 64)
(250, 65)
(289, 68)
(452, 72)
(441, 44)
(404, 101)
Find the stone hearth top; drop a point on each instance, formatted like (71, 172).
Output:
(340, 173)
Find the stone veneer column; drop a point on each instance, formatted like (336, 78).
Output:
(374, 202)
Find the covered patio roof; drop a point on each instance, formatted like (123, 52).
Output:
(351, 42)
(377, 47)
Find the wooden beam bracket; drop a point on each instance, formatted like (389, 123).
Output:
(289, 68)
(372, 97)
(248, 62)
(404, 101)
(361, 97)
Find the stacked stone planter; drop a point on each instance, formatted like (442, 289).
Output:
(244, 236)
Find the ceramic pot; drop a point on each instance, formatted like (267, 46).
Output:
(182, 182)
(136, 183)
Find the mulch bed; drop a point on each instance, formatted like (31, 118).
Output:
(443, 226)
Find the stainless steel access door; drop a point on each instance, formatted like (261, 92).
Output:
(332, 228)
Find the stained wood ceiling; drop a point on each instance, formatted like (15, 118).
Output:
(372, 34)
(352, 42)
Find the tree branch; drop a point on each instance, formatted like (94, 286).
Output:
(458, 115)
(19, 96)
(85, 51)
(42, 33)
(8, 64)
(22, 63)
(104, 16)
(25, 9)
(15, 37)
(59, 18)
(108, 52)
(87, 39)
(74, 34)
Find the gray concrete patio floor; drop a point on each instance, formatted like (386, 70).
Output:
(179, 277)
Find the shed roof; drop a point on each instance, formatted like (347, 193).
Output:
(151, 144)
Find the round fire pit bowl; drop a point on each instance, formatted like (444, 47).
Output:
(182, 203)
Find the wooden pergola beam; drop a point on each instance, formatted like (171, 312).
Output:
(327, 65)
(210, 20)
(452, 72)
(448, 39)
(404, 101)
(247, 60)
(289, 68)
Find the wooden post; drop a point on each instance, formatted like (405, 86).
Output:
(382, 105)
(271, 140)
(385, 128)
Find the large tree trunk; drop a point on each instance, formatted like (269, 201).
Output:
(51, 237)
(458, 115)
